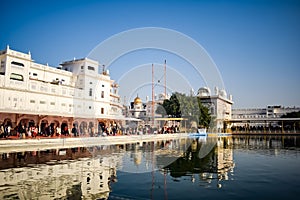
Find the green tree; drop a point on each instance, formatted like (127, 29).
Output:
(189, 107)
(204, 116)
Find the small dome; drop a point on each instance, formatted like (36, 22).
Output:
(223, 93)
(137, 100)
(204, 91)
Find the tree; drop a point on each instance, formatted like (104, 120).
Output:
(189, 107)
(204, 116)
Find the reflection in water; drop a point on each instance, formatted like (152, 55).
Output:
(268, 145)
(88, 172)
(51, 175)
(214, 165)
(91, 173)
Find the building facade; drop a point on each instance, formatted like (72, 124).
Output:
(40, 95)
(261, 117)
(271, 111)
(137, 109)
(219, 106)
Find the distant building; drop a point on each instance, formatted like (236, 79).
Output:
(259, 116)
(271, 111)
(143, 111)
(40, 95)
(219, 106)
(137, 109)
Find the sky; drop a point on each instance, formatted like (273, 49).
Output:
(255, 45)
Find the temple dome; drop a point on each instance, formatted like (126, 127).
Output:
(204, 92)
(137, 100)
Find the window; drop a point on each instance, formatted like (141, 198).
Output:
(2, 69)
(102, 110)
(102, 85)
(91, 83)
(91, 68)
(90, 107)
(17, 77)
(17, 63)
(44, 88)
(52, 103)
(63, 104)
(102, 94)
(42, 102)
(32, 101)
(82, 67)
(91, 92)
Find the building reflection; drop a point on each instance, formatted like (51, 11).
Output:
(275, 144)
(57, 174)
(215, 164)
(88, 173)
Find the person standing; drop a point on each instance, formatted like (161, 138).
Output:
(34, 131)
(8, 130)
(58, 131)
(22, 131)
(2, 134)
(74, 131)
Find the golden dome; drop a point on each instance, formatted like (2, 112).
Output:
(137, 100)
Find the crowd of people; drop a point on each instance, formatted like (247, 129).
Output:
(52, 130)
(32, 131)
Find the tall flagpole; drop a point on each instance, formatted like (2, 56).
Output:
(165, 73)
(152, 110)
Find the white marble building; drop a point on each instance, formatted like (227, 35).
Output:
(72, 93)
(219, 105)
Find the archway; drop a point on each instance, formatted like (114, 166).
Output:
(91, 129)
(64, 128)
(7, 122)
(76, 124)
(31, 123)
(43, 126)
(83, 128)
(101, 127)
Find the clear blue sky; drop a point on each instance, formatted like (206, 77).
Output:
(255, 44)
